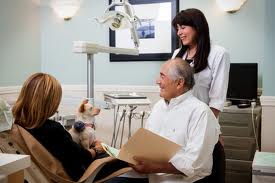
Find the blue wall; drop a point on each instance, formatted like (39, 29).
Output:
(237, 32)
(70, 68)
(245, 34)
(19, 41)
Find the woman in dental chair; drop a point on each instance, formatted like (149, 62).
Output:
(38, 100)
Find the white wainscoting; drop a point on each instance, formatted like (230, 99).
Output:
(268, 123)
(72, 92)
(10, 93)
(73, 95)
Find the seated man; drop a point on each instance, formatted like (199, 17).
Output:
(185, 120)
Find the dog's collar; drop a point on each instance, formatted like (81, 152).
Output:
(89, 125)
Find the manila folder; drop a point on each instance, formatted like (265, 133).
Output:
(147, 145)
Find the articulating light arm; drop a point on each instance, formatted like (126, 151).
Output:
(115, 20)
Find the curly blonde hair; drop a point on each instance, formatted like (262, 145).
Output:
(38, 100)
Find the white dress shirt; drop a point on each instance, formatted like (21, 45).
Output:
(190, 123)
(212, 82)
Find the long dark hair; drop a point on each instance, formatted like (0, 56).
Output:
(196, 19)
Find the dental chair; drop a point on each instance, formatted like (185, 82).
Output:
(44, 167)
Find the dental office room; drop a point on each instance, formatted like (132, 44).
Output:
(98, 91)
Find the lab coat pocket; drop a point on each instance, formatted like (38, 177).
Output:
(203, 78)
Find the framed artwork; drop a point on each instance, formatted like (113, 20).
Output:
(157, 37)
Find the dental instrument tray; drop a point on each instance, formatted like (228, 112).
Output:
(124, 96)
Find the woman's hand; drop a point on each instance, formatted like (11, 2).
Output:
(93, 152)
(98, 146)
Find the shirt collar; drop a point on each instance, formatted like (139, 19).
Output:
(184, 58)
(179, 99)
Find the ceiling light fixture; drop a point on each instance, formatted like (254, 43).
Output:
(65, 9)
(230, 6)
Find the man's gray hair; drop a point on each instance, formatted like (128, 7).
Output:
(180, 69)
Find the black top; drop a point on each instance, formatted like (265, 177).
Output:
(74, 158)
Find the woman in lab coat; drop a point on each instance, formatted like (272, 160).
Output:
(210, 62)
(211, 65)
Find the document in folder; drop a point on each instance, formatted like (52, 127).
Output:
(145, 144)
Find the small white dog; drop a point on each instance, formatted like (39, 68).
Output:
(83, 131)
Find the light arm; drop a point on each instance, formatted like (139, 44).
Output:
(129, 10)
(91, 48)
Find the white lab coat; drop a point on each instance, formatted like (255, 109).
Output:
(211, 83)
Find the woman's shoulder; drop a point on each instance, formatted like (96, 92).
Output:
(176, 51)
(218, 49)
(218, 54)
(52, 125)
(55, 128)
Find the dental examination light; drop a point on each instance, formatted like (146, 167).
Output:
(121, 20)
(115, 20)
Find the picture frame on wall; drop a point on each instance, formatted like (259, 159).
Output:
(157, 37)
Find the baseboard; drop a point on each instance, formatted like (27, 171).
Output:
(267, 100)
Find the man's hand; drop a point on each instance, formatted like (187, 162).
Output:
(143, 166)
(215, 111)
(221, 140)
(146, 167)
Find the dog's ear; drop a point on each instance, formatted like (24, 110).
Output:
(81, 108)
(85, 101)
